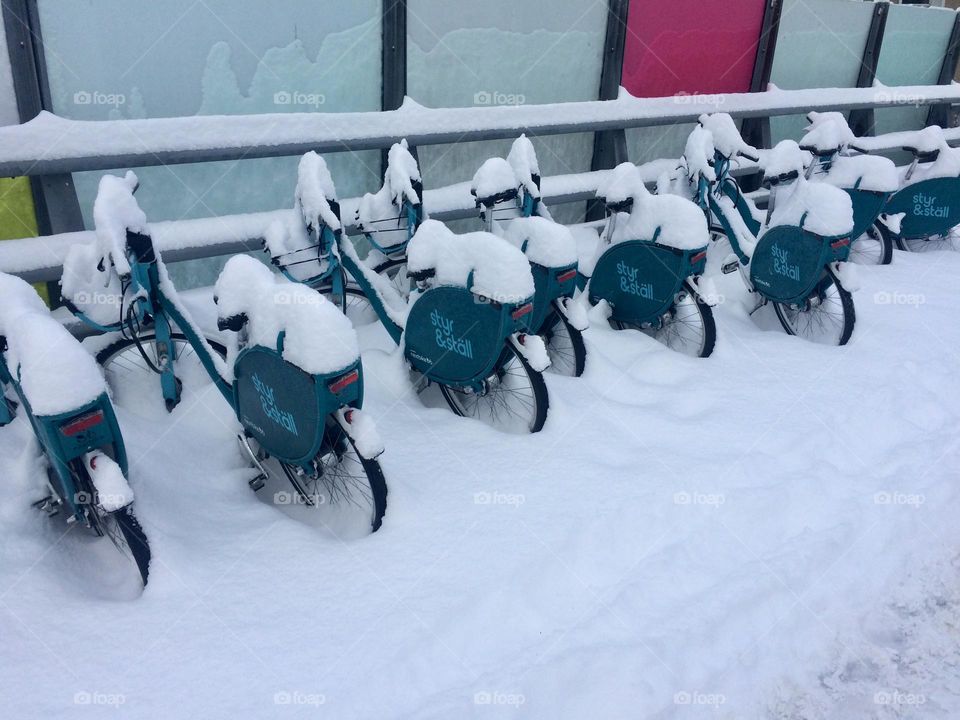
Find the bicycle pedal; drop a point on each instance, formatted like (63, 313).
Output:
(258, 483)
(48, 505)
(731, 267)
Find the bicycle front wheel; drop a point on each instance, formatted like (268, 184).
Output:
(874, 247)
(514, 399)
(827, 317)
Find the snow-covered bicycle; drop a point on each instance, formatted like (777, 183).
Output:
(46, 375)
(462, 321)
(792, 257)
(291, 372)
(507, 193)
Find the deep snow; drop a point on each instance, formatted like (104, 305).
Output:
(769, 533)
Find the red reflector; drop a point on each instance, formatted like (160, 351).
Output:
(522, 310)
(338, 385)
(840, 243)
(568, 275)
(84, 422)
(698, 257)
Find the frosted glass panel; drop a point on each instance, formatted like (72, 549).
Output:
(912, 54)
(463, 53)
(820, 44)
(141, 58)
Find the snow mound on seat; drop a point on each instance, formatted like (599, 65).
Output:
(827, 131)
(947, 163)
(547, 243)
(56, 373)
(675, 221)
(500, 271)
(820, 208)
(319, 338)
(874, 173)
(315, 191)
(495, 176)
(523, 159)
(786, 157)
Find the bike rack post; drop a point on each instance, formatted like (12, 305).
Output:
(940, 114)
(862, 122)
(610, 146)
(756, 131)
(393, 60)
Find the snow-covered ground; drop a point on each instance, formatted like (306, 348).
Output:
(768, 533)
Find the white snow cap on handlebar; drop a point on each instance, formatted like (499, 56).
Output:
(114, 212)
(726, 136)
(500, 271)
(386, 203)
(523, 160)
(673, 220)
(495, 176)
(319, 338)
(699, 153)
(827, 131)
(315, 190)
(786, 157)
(56, 373)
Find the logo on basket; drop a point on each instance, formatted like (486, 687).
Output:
(782, 266)
(446, 340)
(926, 206)
(269, 403)
(630, 282)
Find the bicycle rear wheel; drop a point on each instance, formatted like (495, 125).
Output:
(565, 346)
(513, 399)
(946, 241)
(689, 327)
(827, 317)
(874, 247)
(349, 488)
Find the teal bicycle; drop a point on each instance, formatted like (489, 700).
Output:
(462, 321)
(291, 374)
(870, 182)
(507, 193)
(47, 376)
(790, 258)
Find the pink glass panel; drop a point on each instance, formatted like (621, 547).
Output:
(691, 46)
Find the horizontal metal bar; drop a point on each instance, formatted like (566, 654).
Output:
(49, 144)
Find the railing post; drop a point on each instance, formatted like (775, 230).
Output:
(756, 131)
(610, 146)
(393, 61)
(862, 122)
(941, 114)
(54, 196)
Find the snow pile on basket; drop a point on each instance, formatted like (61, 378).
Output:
(91, 273)
(318, 338)
(500, 271)
(56, 373)
(494, 177)
(293, 249)
(315, 191)
(402, 172)
(523, 160)
(818, 207)
(543, 241)
(671, 220)
(726, 136)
